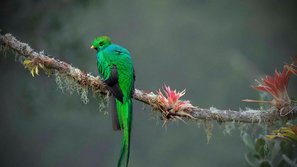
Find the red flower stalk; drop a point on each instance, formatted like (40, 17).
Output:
(171, 99)
(276, 85)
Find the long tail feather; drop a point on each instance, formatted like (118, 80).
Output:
(125, 115)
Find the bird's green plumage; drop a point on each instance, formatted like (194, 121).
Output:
(114, 64)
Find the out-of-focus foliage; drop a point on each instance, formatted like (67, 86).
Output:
(214, 49)
(285, 133)
(278, 149)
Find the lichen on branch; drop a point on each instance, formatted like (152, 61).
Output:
(34, 61)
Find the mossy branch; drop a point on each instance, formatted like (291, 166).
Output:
(97, 85)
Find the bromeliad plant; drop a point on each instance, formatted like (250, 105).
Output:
(171, 105)
(277, 87)
(33, 66)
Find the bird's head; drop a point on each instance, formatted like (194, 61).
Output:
(100, 43)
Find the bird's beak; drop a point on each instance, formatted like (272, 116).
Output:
(92, 47)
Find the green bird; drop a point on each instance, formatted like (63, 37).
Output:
(115, 65)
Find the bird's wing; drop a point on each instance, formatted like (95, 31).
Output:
(113, 84)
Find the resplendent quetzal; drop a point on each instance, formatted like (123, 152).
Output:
(115, 65)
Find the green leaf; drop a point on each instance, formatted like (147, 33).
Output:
(265, 163)
(260, 147)
(286, 148)
(275, 152)
(281, 163)
(289, 161)
(251, 159)
(249, 142)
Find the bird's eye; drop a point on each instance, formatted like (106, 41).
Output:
(101, 43)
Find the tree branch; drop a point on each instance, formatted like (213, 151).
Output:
(96, 84)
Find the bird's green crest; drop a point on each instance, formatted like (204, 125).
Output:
(101, 42)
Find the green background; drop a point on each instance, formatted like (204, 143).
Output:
(213, 49)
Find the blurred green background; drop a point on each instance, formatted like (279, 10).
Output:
(214, 49)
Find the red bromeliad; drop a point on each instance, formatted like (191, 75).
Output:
(170, 102)
(277, 86)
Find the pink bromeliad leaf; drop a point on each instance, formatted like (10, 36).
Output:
(171, 99)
